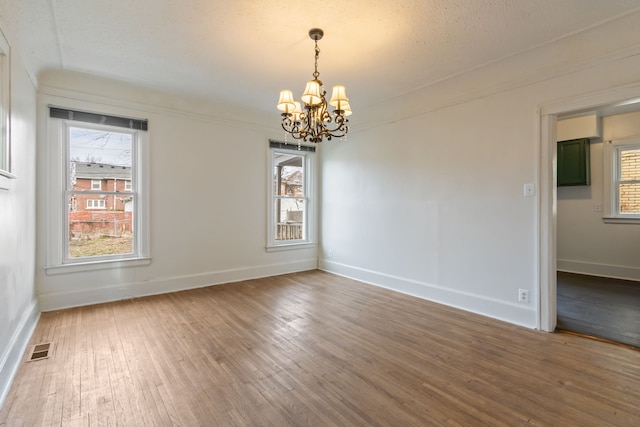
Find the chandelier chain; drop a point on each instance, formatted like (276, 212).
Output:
(316, 73)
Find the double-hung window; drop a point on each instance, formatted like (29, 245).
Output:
(291, 214)
(99, 190)
(5, 119)
(622, 181)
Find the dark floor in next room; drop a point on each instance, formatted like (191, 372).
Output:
(600, 307)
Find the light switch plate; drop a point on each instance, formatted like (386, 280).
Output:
(529, 190)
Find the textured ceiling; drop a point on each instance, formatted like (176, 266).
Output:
(245, 51)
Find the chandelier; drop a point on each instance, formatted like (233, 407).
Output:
(313, 122)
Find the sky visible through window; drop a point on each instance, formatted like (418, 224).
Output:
(99, 146)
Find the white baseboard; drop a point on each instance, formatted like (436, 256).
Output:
(602, 270)
(15, 350)
(518, 314)
(88, 296)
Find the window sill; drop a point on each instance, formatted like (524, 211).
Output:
(95, 265)
(619, 220)
(290, 246)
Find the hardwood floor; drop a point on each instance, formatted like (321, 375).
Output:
(600, 307)
(313, 349)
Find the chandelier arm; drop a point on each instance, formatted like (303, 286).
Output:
(312, 129)
(289, 125)
(341, 128)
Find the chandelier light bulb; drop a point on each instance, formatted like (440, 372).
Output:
(338, 97)
(311, 95)
(286, 102)
(297, 112)
(346, 108)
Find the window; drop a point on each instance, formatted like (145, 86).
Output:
(99, 223)
(622, 181)
(95, 204)
(291, 212)
(5, 119)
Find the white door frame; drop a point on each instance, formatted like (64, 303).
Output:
(548, 114)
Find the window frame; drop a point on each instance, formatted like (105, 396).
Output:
(309, 189)
(99, 182)
(612, 157)
(57, 258)
(6, 168)
(92, 202)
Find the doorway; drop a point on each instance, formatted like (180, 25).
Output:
(624, 97)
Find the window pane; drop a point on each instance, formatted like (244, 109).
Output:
(288, 175)
(100, 224)
(630, 165)
(95, 230)
(289, 219)
(99, 159)
(4, 104)
(630, 198)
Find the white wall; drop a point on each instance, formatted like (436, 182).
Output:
(432, 204)
(18, 306)
(208, 196)
(585, 243)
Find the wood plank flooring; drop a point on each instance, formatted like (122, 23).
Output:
(600, 307)
(313, 349)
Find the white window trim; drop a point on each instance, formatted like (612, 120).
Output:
(56, 203)
(99, 181)
(611, 168)
(5, 114)
(309, 185)
(93, 203)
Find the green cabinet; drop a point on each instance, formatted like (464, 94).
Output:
(574, 162)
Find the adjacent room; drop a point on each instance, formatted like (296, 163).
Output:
(340, 213)
(598, 292)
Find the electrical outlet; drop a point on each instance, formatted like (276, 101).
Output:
(523, 296)
(330, 253)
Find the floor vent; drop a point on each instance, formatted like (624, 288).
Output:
(40, 351)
